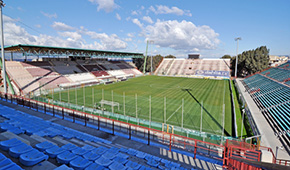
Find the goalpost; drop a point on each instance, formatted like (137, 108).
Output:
(110, 103)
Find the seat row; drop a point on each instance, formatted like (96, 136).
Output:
(278, 74)
(6, 163)
(20, 122)
(27, 155)
(88, 157)
(272, 98)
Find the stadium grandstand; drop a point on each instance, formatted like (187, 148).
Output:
(270, 90)
(212, 68)
(72, 71)
(40, 134)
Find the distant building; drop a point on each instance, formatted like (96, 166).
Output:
(193, 56)
(277, 60)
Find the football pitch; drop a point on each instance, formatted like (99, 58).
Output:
(193, 103)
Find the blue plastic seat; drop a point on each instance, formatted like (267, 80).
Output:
(5, 126)
(141, 155)
(16, 130)
(122, 155)
(91, 156)
(123, 150)
(88, 147)
(100, 150)
(95, 166)
(32, 158)
(69, 147)
(103, 161)
(132, 152)
(79, 163)
(54, 151)
(153, 163)
(67, 135)
(5, 145)
(2, 157)
(16, 151)
(133, 165)
(121, 160)
(14, 167)
(44, 145)
(63, 167)
(117, 166)
(145, 168)
(65, 157)
(114, 150)
(79, 151)
(172, 164)
(6, 163)
(109, 155)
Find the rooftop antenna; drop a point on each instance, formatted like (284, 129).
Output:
(2, 47)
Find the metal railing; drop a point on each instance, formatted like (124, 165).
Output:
(172, 142)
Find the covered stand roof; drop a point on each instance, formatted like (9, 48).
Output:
(34, 50)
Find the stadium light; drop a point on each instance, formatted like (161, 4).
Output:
(2, 47)
(236, 69)
(144, 67)
(151, 42)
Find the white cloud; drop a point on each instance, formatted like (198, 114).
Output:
(128, 39)
(15, 34)
(148, 19)
(162, 9)
(107, 5)
(38, 26)
(109, 42)
(128, 18)
(71, 35)
(134, 13)
(59, 26)
(182, 35)
(131, 35)
(118, 17)
(138, 11)
(49, 15)
(137, 22)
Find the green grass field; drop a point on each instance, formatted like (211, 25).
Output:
(212, 94)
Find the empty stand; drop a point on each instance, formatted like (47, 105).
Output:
(62, 72)
(272, 96)
(195, 67)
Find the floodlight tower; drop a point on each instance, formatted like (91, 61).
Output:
(236, 68)
(148, 41)
(151, 57)
(2, 47)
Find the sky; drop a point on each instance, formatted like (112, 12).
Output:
(172, 27)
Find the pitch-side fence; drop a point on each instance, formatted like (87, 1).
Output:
(225, 153)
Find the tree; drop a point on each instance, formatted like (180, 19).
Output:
(170, 56)
(226, 57)
(139, 62)
(251, 61)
